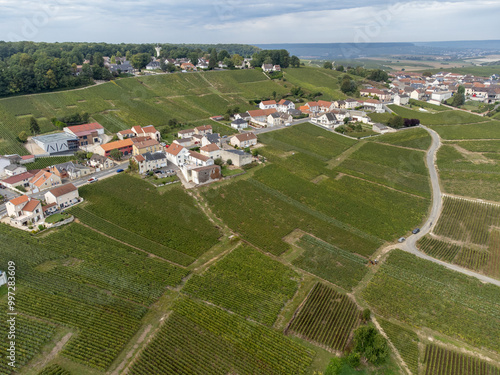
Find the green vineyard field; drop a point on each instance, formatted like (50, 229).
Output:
(202, 339)
(340, 267)
(406, 342)
(327, 317)
(469, 235)
(412, 290)
(439, 361)
(246, 282)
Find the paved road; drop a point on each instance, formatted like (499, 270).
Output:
(78, 182)
(437, 202)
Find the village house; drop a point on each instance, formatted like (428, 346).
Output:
(44, 180)
(285, 105)
(417, 94)
(203, 130)
(198, 159)
(259, 116)
(70, 170)
(326, 119)
(22, 180)
(325, 106)
(123, 146)
(186, 133)
(63, 196)
(185, 142)
(87, 134)
(139, 131)
(244, 140)
(213, 138)
(350, 103)
(187, 66)
(401, 99)
(177, 154)
(100, 163)
(274, 119)
(150, 161)
(382, 95)
(25, 211)
(267, 67)
(149, 145)
(211, 150)
(266, 104)
(372, 105)
(239, 124)
(14, 169)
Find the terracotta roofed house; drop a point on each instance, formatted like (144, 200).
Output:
(63, 196)
(124, 146)
(244, 140)
(44, 180)
(177, 154)
(23, 210)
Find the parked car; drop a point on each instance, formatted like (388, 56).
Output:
(288, 124)
(92, 179)
(119, 170)
(402, 239)
(416, 230)
(2, 187)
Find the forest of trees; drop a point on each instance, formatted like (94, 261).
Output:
(29, 67)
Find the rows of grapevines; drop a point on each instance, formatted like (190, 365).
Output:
(103, 330)
(466, 220)
(326, 317)
(406, 342)
(54, 369)
(202, 339)
(246, 282)
(439, 249)
(30, 336)
(129, 237)
(331, 263)
(440, 361)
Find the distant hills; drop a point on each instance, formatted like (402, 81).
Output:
(357, 50)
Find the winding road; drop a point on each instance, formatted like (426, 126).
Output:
(437, 202)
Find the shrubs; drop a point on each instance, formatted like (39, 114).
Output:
(370, 344)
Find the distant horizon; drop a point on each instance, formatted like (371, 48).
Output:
(253, 44)
(255, 22)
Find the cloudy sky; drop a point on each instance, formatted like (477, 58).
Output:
(244, 21)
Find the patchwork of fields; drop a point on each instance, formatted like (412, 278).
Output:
(467, 234)
(281, 246)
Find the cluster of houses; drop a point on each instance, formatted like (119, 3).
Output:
(25, 211)
(14, 173)
(442, 86)
(198, 166)
(327, 113)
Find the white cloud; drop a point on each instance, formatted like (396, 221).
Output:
(239, 21)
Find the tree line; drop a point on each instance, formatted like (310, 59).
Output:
(29, 67)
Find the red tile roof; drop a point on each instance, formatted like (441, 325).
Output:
(117, 144)
(31, 205)
(245, 136)
(211, 147)
(199, 156)
(174, 149)
(268, 102)
(139, 158)
(62, 190)
(19, 200)
(85, 127)
(18, 177)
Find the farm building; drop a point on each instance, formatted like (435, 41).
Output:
(57, 143)
(87, 134)
(124, 146)
(203, 175)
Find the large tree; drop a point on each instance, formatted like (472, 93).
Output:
(140, 60)
(34, 127)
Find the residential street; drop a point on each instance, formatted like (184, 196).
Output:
(78, 182)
